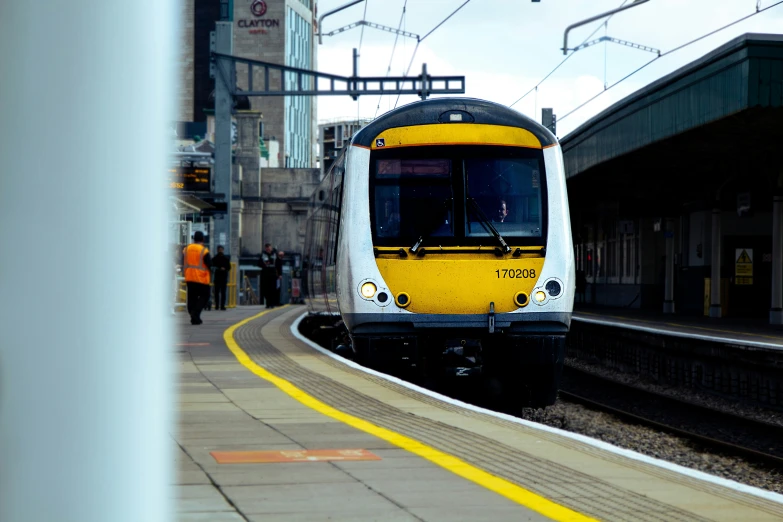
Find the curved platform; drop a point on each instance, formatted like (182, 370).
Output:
(353, 445)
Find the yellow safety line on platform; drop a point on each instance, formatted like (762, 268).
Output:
(457, 466)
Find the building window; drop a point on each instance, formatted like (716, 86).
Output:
(298, 109)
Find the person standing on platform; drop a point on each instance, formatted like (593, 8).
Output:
(222, 266)
(197, 264)
(279, 273)
(305, 275)
(268, 275)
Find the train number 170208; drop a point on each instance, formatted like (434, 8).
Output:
(519, 273)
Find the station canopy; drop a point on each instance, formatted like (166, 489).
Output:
(715, 123)
(189, 204)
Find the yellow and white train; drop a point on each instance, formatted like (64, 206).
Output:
(442, 237)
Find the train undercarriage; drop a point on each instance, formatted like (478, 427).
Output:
(503, 371)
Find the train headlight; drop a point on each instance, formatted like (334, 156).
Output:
(553, 288)
(539, 296)
(368, 290)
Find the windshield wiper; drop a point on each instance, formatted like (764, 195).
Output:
(416, 246)
(487, 223)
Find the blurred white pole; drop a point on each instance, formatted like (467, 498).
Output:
(86, 97)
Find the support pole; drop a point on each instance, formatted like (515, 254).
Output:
(425, 88)
(223, 163)
(596, 257)
(354, 84)
(668, 297)
(776, 310)
(333, 11)
(85, 338)
(594, 18)
(715, 304)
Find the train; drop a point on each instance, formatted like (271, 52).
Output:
(441, 237)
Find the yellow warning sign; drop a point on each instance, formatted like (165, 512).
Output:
(743, 267)
(743, 280)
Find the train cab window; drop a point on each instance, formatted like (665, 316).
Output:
(413, 198)
(455, 195)
(505, 192)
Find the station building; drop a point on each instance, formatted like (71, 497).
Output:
(333, 137)
(276, 31)
(676, 192)
(274, 138)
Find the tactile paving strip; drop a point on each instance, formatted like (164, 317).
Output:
(754, 502)
(577, 491)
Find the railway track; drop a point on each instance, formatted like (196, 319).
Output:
(726, 432)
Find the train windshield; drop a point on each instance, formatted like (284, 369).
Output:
(507, 192)
(414, 198)
(454, 196)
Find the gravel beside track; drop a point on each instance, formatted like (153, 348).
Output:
(578, 419)
(648, 441)
(750, 411)
(720, 430)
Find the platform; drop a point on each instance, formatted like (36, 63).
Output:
(738, 332)
(257, 387)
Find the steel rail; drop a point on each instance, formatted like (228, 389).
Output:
(723, 445)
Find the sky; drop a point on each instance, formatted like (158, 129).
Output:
(505, 47)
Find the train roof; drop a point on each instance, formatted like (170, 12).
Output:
(432, 111)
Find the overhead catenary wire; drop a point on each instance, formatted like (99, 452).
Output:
(671, 51)
(564, 60)
(408, 70)
(359, 54)
(391, 58)
(364, 19)
(445, 20)
(404, 47)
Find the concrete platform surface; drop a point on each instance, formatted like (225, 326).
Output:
(429, 452)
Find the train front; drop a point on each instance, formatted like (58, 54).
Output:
(455, 245)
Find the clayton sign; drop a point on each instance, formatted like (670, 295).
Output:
(258, 24)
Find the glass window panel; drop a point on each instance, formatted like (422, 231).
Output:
(415, 200)
(415, 192)
(507, 191)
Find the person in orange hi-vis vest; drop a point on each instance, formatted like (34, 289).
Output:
(197, 265)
